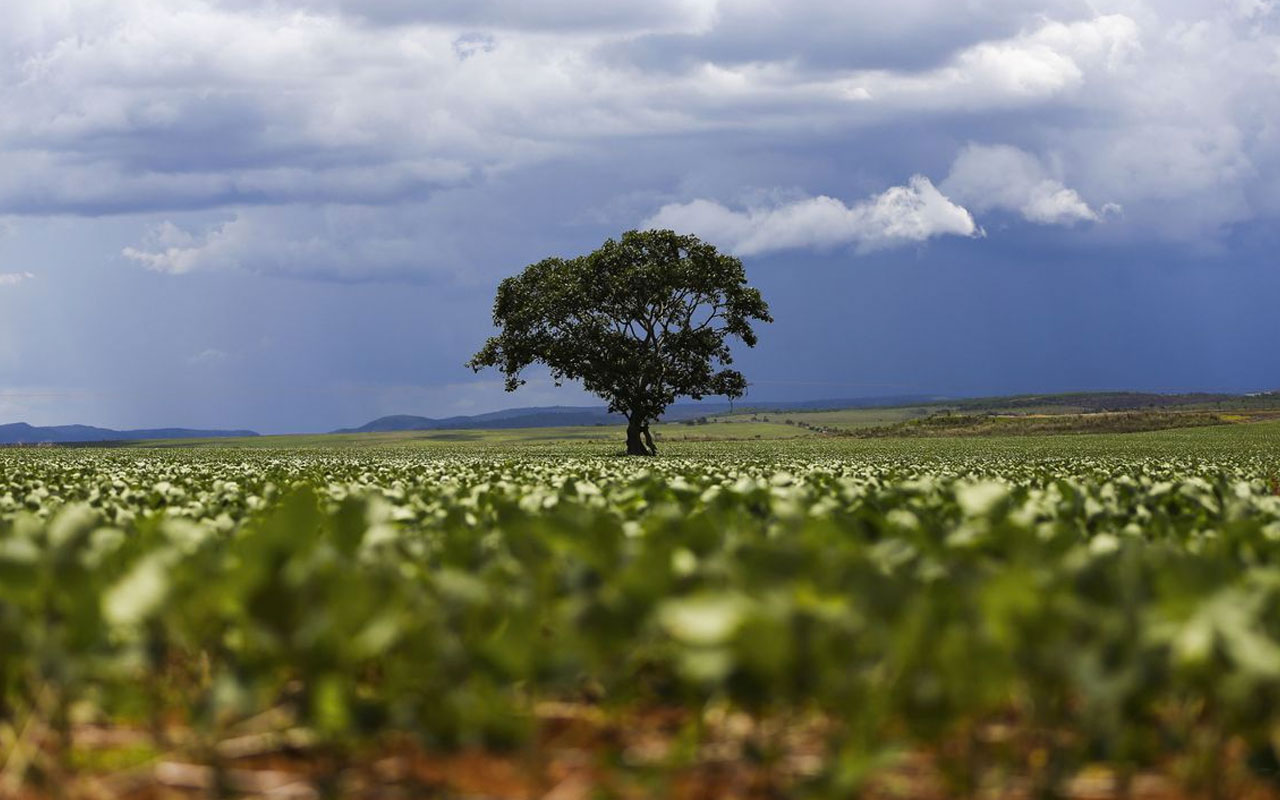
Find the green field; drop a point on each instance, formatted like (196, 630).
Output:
(508, 613)
(1116, 412)
(841, 419)
(608, 438)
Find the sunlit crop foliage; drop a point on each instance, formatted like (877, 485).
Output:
(1017, 611)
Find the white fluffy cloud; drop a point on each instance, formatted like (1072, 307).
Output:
(300, 107)
(14, 278)
(902, 215)
(984, 177)
(1053, 59)
(155, 104)
(345, 243)
(209, 357)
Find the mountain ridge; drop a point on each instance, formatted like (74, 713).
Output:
(570, 416)
(24, 433)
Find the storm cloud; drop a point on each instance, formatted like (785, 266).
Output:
(149, 146)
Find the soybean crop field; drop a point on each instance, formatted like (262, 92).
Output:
(1084, 616)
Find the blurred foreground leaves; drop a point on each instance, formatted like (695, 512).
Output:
(1017, 619)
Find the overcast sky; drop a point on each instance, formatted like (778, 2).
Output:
(292, 215)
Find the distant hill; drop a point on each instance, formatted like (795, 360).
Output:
(578, 416)
(1120, 401)
(550, 417)
(22, 433)
(1070, 402)
(572, 416)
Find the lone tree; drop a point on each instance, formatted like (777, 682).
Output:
(640, 322)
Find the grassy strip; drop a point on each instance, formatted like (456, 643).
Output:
(945, 425)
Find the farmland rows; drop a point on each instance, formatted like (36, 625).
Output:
(826, 618)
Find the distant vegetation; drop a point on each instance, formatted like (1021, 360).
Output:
(1121, 401)
(1046, 424)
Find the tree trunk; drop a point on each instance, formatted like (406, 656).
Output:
(637, 432)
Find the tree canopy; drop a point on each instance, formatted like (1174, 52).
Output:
(641, 321)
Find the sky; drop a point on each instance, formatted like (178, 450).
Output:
(292, 215)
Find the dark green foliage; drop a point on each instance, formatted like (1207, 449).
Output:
(1015, 615)
(949, 424)
(640, 321)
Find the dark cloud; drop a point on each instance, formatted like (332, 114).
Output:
(547, 15)
(143, 105)
(292, 215)
(823, 36)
